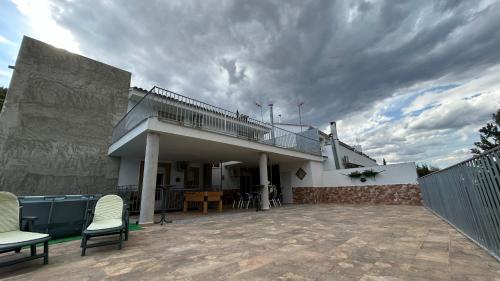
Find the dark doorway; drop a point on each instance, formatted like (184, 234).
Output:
(275, 176)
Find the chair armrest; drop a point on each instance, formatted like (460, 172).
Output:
(31, 220)
(89, 216)
(126, 215)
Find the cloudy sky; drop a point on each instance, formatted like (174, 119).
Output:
(408, 80)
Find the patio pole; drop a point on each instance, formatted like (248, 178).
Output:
(149, 178)
(263, 180)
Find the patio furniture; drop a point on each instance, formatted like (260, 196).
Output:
(11, 236)
(110, 217)
(238, 200)
(203, 197)
(273, 196)
(249, 199)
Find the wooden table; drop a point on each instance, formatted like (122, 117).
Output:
(203, 196)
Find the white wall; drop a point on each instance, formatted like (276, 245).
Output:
(404, 173)
(329, 163)
(354, 157)
(129, 171)
(228, 182)
(289, 179)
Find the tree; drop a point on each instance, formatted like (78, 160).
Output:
(383, 162)
(489, 135)
(3, 94)
(425, 169)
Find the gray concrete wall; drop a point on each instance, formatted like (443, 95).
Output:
(57, 121)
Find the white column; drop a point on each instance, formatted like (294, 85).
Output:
(149, 179)
(264, 180)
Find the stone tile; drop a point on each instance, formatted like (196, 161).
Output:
(297, 242)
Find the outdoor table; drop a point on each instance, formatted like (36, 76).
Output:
(203, 196)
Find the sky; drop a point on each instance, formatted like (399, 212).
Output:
(406, 80)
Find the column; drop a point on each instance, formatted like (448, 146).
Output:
(264, 181)
(149, 178)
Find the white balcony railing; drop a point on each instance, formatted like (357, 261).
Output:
(171, 107)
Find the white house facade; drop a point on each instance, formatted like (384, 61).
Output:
(73, 125)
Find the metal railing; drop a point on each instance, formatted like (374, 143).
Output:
(467, 196)
(171, 107)
(173, 201)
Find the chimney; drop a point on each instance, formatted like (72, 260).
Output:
(271, 118)
(333, 130)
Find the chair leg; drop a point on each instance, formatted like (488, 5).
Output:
(33, 250)
(46, 252)
(84, 244)
(121, 240)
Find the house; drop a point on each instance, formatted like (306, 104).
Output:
(71, 125)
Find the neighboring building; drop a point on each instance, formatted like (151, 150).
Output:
(339, 155)
(73, 125)
(56, 123)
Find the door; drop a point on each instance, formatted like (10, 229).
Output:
(192, 177)
(286, 187)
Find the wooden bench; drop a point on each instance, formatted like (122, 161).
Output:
(203, 197)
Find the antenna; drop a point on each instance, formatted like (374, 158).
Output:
(261, 112)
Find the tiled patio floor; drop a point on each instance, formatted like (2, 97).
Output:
(300, 242)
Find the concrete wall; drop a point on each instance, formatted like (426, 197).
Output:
(404, 173)
(129, 171)
(289, 179)
(57, 121)
(354, 157)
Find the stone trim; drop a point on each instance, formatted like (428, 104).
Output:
(394, 194)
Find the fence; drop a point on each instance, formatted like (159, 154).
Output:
(169, 198)
(467, 196)
(171, 107)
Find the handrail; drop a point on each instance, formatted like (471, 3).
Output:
(172, 107)
(264, 124)
(463, 162)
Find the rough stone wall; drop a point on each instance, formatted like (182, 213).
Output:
(57, 121)
(394, 194)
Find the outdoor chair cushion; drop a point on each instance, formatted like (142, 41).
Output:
(108, 214)
(9, 212)
(20, 237)
(105, 224)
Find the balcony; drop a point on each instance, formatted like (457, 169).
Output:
(173, 108)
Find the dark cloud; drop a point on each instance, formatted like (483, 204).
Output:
(234, 75)
(339, 57)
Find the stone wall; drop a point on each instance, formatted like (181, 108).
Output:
(57, 122)
(395, 194)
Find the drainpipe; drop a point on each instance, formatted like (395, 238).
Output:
(335, 142)
(272, 122)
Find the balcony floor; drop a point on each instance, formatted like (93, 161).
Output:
(297, 242)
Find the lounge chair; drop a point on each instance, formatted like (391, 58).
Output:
(12, 238)
(109, 217)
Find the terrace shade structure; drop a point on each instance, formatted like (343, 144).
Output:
(167, 139)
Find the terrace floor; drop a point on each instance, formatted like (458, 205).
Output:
(298, 242)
